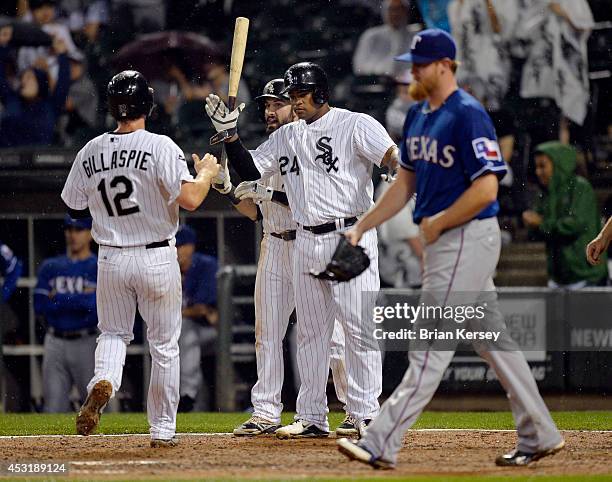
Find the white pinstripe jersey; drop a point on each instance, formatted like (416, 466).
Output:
(276, 218)
(326, 166)
(130, 183)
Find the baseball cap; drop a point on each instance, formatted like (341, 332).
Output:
(430, 45)
(185, 235)
(81, 223)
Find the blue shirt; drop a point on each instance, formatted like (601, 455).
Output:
(200, 282)
(10, 268)
(448, 149)
(66, 293)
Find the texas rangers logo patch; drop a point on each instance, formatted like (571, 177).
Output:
(486, 149)
(327, 155)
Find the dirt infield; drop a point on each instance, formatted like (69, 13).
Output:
(441, 453)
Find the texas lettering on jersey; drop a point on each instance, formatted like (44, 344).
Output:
(71, 284)
(426, 148)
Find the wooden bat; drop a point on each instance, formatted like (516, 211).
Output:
(241, 30)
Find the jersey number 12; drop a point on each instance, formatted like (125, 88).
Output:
(128, 189)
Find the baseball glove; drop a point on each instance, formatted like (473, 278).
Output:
(347, 263)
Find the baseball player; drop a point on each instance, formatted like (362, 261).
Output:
(133, 182)
(10, 268)
(65, 295)
(325, 161)
(451, 159)
(200, 317)
(274, 300)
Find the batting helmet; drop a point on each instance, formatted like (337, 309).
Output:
(129, 96)
(308, 76)
(272, 90)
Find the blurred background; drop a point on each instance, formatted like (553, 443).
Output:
(542, 69)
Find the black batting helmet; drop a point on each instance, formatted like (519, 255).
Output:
(129, 96)
(272, 90)
(308, 76)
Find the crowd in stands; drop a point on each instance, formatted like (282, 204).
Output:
(527, 61)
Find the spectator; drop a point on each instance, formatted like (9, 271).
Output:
(400, 247)
(566, 217)
(85, 18)
(31, 111)
(482, 29)
(556, 66)
(434, 13)
(378, 46)
(10, 269)
(42, 13)
(396, 112)
(81, 107)
(65, 295)
(200, 317)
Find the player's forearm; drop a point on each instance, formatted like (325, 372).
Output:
(390, 203)
(247, 208)
(478, 196)
(606, 231)
(241, 160)
(193, 193)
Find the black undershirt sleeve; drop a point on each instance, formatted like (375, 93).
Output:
(280, 198)
(79, 213)
(242, 161)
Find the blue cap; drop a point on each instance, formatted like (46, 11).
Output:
(80, 223)
(185, 235)
(430, 45)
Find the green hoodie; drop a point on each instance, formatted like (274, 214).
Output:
(570, 219)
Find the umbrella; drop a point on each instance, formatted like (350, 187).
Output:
(153, 54)
(26, 34)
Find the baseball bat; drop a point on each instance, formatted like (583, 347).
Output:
(241, 30)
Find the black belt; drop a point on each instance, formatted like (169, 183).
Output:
(72, 335)
(288, 235)
(156, 244)
(329, 227)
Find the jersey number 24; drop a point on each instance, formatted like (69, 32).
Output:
(125, 193)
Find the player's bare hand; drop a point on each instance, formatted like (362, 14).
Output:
(6, 34)
(430, 230)
(353, 234)
(595, 248)
(208, 165)
(531, 218)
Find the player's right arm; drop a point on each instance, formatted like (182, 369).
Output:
(390, 203)
(600, 244)
(250, 165)
(194, 192)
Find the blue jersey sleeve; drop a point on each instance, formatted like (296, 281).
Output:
(10, 267)
(49, 303)
(477, 143)
(206, 291)
(405, 160)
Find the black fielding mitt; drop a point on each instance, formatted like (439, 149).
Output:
(347, 263)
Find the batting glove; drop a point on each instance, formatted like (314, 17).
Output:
(222, 181)
(220, 115)
(253, 190)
